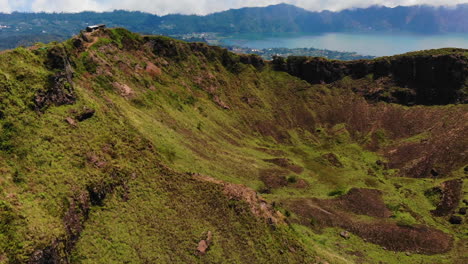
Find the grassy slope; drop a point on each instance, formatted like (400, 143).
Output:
(170, 124)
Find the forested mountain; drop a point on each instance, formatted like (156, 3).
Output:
(27, 28)
(288, 18)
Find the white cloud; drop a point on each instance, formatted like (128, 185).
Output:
(336, 5)
(66, 5)
(4, 6)
(162, 7)
(208, 6)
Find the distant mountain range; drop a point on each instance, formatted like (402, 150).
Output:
(288, 18)
(25, 28)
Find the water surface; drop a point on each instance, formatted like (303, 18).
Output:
(375, 44)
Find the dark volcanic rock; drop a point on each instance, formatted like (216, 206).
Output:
(56, 58)
(462, 210)
(455, 220)
(87, 113)
(253, 60)
(424, 79)
(59, 92)
(78, 43)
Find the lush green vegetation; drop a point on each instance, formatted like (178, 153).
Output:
(119, 185)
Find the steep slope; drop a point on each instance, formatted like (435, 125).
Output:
(117, 147)
(432, 77)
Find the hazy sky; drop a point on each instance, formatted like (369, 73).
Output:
(162, 7)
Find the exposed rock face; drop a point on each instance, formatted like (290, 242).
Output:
(56, 58)
(179, 51)
(430, 79)
(254, 60)
(73, 220)
(59, 92)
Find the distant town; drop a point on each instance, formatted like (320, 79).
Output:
(269, 53)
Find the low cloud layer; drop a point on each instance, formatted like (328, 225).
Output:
(201, 7)
(4, 6)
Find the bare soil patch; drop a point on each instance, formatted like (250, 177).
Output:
(441, 151)
(333, 159)
(451, 194)
(301, 184)
(287, 164)
(152, 69)
(273, 152)
(414, 140)
(269, 128)
(380, 230)
(274, 178)
(364, 202)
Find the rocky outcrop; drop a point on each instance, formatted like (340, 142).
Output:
(178, 51)
(59, 251)
(59, 92)
(435, 77)
(204, 244)
(85, 114)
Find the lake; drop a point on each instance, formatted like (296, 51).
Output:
(375, 44)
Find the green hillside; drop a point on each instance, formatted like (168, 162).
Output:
(122, 148)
